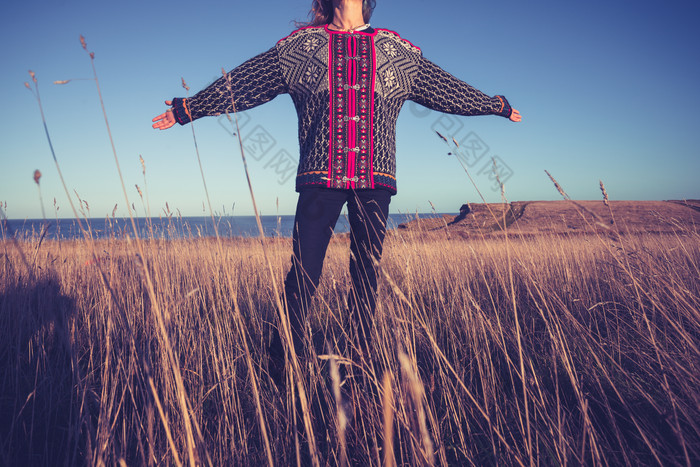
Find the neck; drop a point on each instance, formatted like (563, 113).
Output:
(348, 14)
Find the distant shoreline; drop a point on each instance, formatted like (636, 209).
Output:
(172, 227)
(525, 218)
(690, 202)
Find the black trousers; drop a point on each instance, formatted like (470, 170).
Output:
(317, 211)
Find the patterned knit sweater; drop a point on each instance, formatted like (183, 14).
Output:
(348, 89)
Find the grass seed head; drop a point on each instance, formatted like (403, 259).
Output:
(229, 86)
(26, 85)
(605, 193)
(184, 85)
(82, 42)
(62, 81)
(498, 178)
(556, 185)
(33, 75)
(440, 135)
(37, 176)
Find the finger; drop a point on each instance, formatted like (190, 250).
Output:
(168, 102)
(163, 124)
(159, 117)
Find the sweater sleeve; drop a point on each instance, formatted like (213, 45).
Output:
(253, 83)
(436, 89)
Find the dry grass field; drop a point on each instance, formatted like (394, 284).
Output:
(533, 345)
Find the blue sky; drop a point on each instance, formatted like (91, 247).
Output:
(607, 91)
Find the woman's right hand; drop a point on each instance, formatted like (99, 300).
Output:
(164, 120)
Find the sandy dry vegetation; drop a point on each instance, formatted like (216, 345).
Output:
(567, 218)
(549, 348)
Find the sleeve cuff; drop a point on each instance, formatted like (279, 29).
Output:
(180, 111)
(504, 106)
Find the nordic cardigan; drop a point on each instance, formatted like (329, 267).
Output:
(348, 89)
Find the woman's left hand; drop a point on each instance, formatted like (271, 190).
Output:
(515, 116)
(164, 120)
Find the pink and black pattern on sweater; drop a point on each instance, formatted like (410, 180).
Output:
(348, 89)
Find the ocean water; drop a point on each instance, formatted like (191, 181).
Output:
(170, 228)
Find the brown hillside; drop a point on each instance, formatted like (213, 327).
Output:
(566, 217)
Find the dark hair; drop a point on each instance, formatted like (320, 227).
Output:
(322, 12)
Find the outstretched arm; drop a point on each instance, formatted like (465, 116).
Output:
(437, 89)
(253, 83)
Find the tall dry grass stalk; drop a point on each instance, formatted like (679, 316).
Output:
(456, 150)
(284, 326)
(243, 335)
(388, 402)
(158, 313)
(100, 437)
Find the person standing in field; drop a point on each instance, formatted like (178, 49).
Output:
(348, 82)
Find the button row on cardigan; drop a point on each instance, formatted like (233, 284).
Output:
(355, 149)
(353, 179)
(355, 118)
(356, 87)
